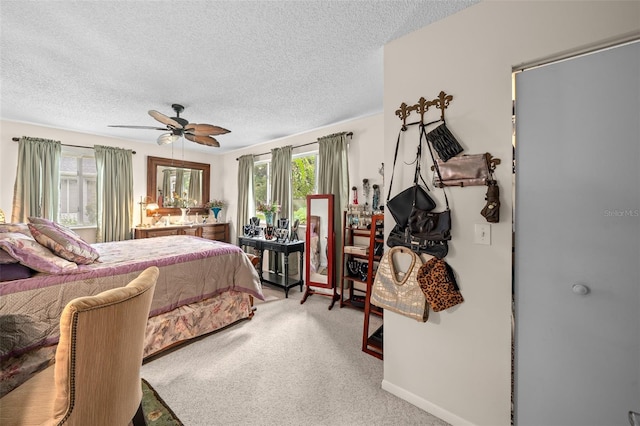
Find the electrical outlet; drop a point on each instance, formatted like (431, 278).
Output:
(482, 233)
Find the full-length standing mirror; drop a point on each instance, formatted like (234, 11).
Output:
(319, 247)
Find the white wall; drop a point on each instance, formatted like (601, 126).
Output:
(9, 155)
(365, 157)
(458, 364)
(366, 150)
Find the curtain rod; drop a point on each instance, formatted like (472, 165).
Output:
(350, 134)
(66, 144)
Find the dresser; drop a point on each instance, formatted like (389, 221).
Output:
(211, 231)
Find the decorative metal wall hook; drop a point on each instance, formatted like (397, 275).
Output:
(441, 102)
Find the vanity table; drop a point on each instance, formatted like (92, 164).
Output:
(211, 231)
(274, 277)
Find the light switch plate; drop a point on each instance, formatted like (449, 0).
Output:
(482, 233)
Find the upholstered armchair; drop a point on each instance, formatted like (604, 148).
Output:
(96, 376)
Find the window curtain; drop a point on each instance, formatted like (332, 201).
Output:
(333, 178)
(195, 187)
(281, 194)
(245, 191)
(179, 183)
(114, 193)
(167, 195)
(281, 179)
(36, 191)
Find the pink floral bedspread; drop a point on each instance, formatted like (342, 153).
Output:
(192, 269)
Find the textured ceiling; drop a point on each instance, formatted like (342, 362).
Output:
(262, 69)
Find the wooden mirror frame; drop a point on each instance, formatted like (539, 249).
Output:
(152, 185)
(326, 220)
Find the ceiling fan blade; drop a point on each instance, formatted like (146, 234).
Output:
(202, 140)
(205, 129)
(164, 119)
(167, 138)
(138, 127)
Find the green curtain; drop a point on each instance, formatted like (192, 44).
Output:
(281, 179)
(333, 178)
(281, 193)
(179, 183)
(245, 191)
(166, 187)
(195, 187)
(36, 191)
(115, 193)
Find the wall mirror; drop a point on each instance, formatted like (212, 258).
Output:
(319, 242)
(188, 179)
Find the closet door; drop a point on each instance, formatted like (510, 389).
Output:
(577, 249)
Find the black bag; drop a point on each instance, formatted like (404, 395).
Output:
(401, 204)
(433, 226)
(402, 237)
(443, 141)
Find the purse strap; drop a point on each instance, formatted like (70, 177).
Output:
(423, 133)
(417, 174)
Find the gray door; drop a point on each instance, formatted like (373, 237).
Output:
(577, 221)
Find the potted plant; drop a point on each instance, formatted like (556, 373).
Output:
(268, 209)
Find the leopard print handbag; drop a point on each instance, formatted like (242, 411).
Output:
(438, 284)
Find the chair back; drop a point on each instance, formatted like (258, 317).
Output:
(99, 355)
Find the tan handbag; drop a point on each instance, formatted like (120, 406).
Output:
(401, 295)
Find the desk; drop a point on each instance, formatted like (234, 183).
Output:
(275, 278)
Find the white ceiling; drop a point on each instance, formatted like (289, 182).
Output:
(262, 69)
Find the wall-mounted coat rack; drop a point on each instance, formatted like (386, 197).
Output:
(441, 103)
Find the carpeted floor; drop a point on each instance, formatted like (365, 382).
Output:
(291, 364)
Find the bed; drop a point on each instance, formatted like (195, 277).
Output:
(204, 285)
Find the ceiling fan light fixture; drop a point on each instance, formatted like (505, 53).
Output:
(167, 138)
(179, 127)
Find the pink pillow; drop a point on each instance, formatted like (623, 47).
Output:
(33, 255)
(62, 241)
(22, 228)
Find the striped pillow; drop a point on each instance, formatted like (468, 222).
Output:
(62, 241)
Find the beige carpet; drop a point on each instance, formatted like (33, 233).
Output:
(271, 294)
(292, 364)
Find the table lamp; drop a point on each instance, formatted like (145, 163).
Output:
(146, 203)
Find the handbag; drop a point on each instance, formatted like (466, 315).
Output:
(432, 226)
(400, 295)
(443, 141)
(491, 210)
(401, 237)
(401, 204)
(428, 225)
(438, 283)
(416, 195)
(464, 170)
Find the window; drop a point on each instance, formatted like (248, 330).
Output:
(303, 180)
(77, 187)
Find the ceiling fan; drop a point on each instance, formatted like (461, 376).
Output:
(178, 126)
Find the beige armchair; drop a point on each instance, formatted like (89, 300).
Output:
(96, 377)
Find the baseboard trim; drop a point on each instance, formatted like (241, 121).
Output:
(427, 406)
